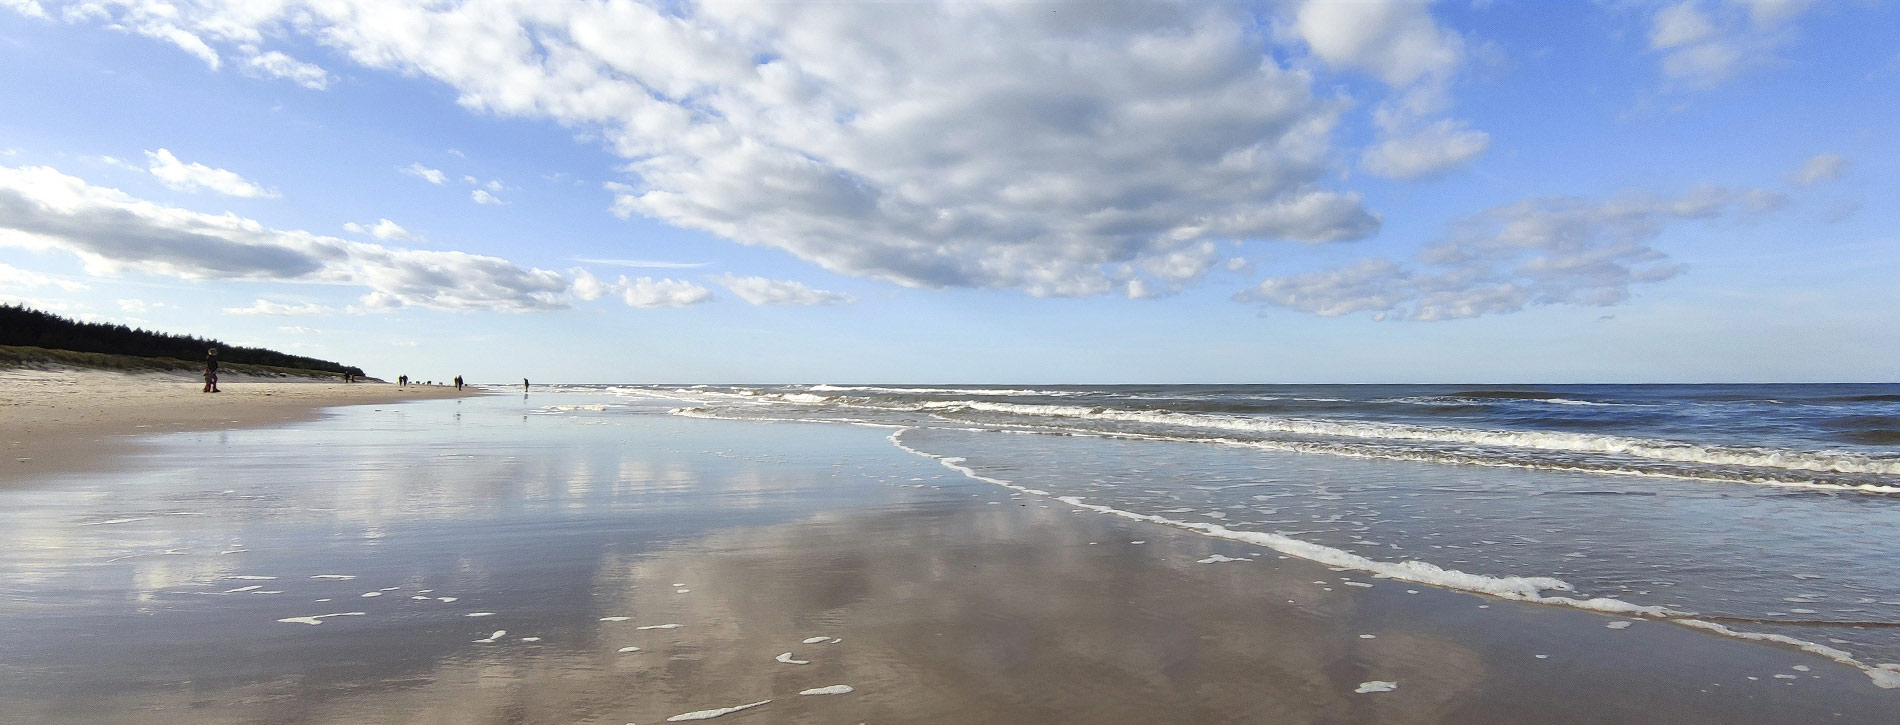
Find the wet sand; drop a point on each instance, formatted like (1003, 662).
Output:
(61, 418)
(505, 557)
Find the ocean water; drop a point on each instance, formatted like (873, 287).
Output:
(1757, 511)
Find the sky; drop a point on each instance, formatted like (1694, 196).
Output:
(1306, 191)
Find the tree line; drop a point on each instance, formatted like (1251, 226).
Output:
(20, 325)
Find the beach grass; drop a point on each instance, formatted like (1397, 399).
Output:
(14, 356)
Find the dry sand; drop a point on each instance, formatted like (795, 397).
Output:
(68, 418)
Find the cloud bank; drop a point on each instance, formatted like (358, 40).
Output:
(111, 232)
(1557, 250)
(1060, 148)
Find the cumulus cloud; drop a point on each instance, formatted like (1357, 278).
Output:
(383, 229)
(433, 176)
(1536, 252)
(1398, 42)
(762, 291)
(192, 177)
(1706, 42)
(279, 309)
(29, 8)
(650, 292)
(1818, 168)
(110, 231)
(873, 139)
(481, 196)
(274, 64)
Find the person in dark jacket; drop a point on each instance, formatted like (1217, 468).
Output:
(211, 371)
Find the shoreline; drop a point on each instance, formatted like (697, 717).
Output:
(62, 420)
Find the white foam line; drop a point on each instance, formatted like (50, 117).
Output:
(118, 521)
(492, 637)
(829, 690)
(614, 619)
(710, 714)
(1886, 676)
(249, 577)
(315, 619)
(338, 577)
(787, 659)
(1376, 686)
(815, 640)
(659, 626)
(624, 650)
(243, 589)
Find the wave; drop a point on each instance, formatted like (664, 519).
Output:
(1661, 450)
(1000, 392)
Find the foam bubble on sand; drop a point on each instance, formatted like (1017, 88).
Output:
(491, 638)
(787, 659)
(1217, 558)
(1376, 686)
(815, 640)
(830, 690)
(614, 619)
(710, 714)
(338, 577)
(624, 650)
(659, 626)
(244, 589)
(479, 614)
(1618, 625)
(317, 618)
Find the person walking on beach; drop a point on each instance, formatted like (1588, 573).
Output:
(524, 385)
(211, 370)
(458, 382)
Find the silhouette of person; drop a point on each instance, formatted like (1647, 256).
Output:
(524, 385)
(211, 371)
(458, 382)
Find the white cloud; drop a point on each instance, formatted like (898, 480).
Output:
(1430, 149)
(481, 196)
(649, 292)
(296, 330)
(874, 139)
(132, 305)
(110, 231)
(29, 8)
(1535, 252)
(15, 278)
(587, 287)
(194, 176)
(279, 309)
(274, 64)
(762, 291)
(644, 263)
(383, 229)
(1394, 40)
(1819, 168)
(433, 176)
(1706, 42)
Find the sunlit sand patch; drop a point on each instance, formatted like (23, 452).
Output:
(787, 659)
(492, 637)
(710, 714)
(829, 690)
(317, 618)
(1376, 686)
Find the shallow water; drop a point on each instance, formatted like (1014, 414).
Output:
(1771, 509)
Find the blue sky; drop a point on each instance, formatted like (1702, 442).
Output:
(1366, 191)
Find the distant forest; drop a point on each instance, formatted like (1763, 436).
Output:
(33, 328)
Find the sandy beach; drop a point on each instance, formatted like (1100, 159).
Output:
(557, 558)
(56, 419)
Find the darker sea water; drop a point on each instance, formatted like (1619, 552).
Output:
(1756, 511)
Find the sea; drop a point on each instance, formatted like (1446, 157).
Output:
(1767, 512)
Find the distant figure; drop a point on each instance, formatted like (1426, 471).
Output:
(211, 371)
(524, 385)
(458, 382)
(402, 381)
